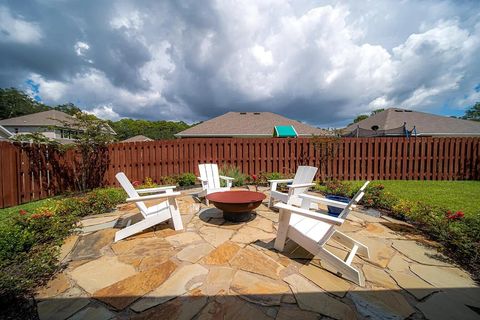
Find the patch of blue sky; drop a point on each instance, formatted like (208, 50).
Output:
(34, 89)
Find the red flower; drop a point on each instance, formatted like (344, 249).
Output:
(36, 216)
(455, 216)
(136, 183)
(22, 212)
(254, 177)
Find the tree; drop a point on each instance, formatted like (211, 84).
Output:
(360, 118)
(126, 128)
(15, 103)
(473, 113)
(364, 116)
(68, 108)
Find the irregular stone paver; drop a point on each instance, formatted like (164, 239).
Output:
(443, 277)
(183, 239)
(381, 304)
(60, 309)
(89, 246)
(176, 285)
(325, 280)
(141, 247)
(67, 246)
(181, 308)
(379, 277)
(248, 234)
(262, 224)
(54, 287)
(419, 253)
(293, 312)
(97, 220)
(194, 252)
(258, 289)
(399, 263)
(312, 298)
(221, 255)
(413, 284)
(94, 313)
(123, 293)
(380, 251)
(215, 236)
(101, 273)
(231, 308)
(441, 306)
(249, 259)
(243, 277)
(218, 280)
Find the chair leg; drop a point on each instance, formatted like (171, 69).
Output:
(176, 218)
(345, 270)
(141, 225)
(283, 225)
(270, 201)
(350, 243)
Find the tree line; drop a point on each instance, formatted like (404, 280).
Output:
(16, 103)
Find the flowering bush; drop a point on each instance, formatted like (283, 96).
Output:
(186, 179)
(30, 239)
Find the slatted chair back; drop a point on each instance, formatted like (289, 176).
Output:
(209, 172)
(356, 198)
(304, 174)
(131, 192)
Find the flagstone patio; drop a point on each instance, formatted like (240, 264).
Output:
(220, 270)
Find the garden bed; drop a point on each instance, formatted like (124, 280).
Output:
(446, 211)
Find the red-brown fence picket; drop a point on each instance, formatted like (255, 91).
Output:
(34, 173)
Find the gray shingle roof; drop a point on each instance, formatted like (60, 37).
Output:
(233, 124)
(137, 138)
(425, 123)
(45, 118)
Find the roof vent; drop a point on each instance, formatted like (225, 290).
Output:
(257, 113)
(375, 127)
(243, 113)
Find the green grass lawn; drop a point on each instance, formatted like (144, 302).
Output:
(6, 213)
(453, 195)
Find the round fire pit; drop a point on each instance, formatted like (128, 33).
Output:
(236, 205)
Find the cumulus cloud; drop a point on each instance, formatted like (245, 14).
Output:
(17, 29)
(320, 62)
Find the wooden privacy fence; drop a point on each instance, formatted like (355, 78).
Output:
(25, 179)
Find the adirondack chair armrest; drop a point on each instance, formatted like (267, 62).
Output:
(281, 181)
(154, 196)
(302, 185)
(326, 201)
(310, 214)
(227, 178)
(155, 190)
(201, 179)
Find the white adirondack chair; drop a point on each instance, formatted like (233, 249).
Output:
(211, 180)
(153, 215)
(300, 184)
(311, 230)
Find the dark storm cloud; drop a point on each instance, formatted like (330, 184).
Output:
(320, 62)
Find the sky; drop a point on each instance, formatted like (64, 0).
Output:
(320, 62)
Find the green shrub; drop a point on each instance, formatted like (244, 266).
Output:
(30, 240)
(148, 183)
(95, 202)
(169, 181)
(233, 172)
(187, 179)
(376, 197)
(263, 177)
(335, 187)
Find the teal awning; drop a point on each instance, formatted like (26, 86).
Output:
(285, 132)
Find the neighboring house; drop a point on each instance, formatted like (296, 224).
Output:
(49, 123)
(249, 125)
(138, 138)
(403, 122)
(5, 134)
